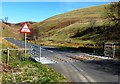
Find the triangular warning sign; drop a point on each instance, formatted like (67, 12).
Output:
(25, 28)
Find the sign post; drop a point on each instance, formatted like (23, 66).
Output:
(26, 30)
(25, 47)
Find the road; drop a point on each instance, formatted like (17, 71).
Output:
(74, 70)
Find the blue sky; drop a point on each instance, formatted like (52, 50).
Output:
(38, 11)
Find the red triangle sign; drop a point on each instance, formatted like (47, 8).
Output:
(25, 28)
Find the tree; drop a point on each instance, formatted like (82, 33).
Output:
(113, 12)
(35, 34)
(4, 20)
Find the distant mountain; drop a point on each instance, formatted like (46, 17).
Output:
(21, 23)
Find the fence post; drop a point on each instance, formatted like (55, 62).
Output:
(103, 48)
(113, 51)
(19, 54)
(94, 48)
(8, 52)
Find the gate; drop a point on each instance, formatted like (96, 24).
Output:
(112, 49)
(35, 51)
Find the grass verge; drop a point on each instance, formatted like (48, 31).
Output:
(18, 71)
(30, 72)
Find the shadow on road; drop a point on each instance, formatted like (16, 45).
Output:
(109, 66)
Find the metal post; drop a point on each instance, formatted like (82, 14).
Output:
(94, 48)
(8, 52)
(113, 51)
(40, 54)
(104, 49)
(25, 48)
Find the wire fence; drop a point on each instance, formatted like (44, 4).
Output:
(11, 53)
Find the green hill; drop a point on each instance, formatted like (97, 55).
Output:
(80, 27)
(77, 16)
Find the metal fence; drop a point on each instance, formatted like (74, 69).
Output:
(36, 51)
(112, 49)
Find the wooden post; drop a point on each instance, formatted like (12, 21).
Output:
(19, 53)
(1, 59)
(8, 52)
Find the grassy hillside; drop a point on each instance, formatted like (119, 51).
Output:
(76, 16)
(79, 27)
(9, 31)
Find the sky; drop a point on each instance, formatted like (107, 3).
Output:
(39, 11)
(58, 0)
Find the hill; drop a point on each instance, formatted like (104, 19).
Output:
(77, 16)
(79, 27)
(9, 31)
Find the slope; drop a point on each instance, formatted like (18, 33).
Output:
(9, 31)
(80, 27)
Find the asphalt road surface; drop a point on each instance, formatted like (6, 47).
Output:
(74, 70)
